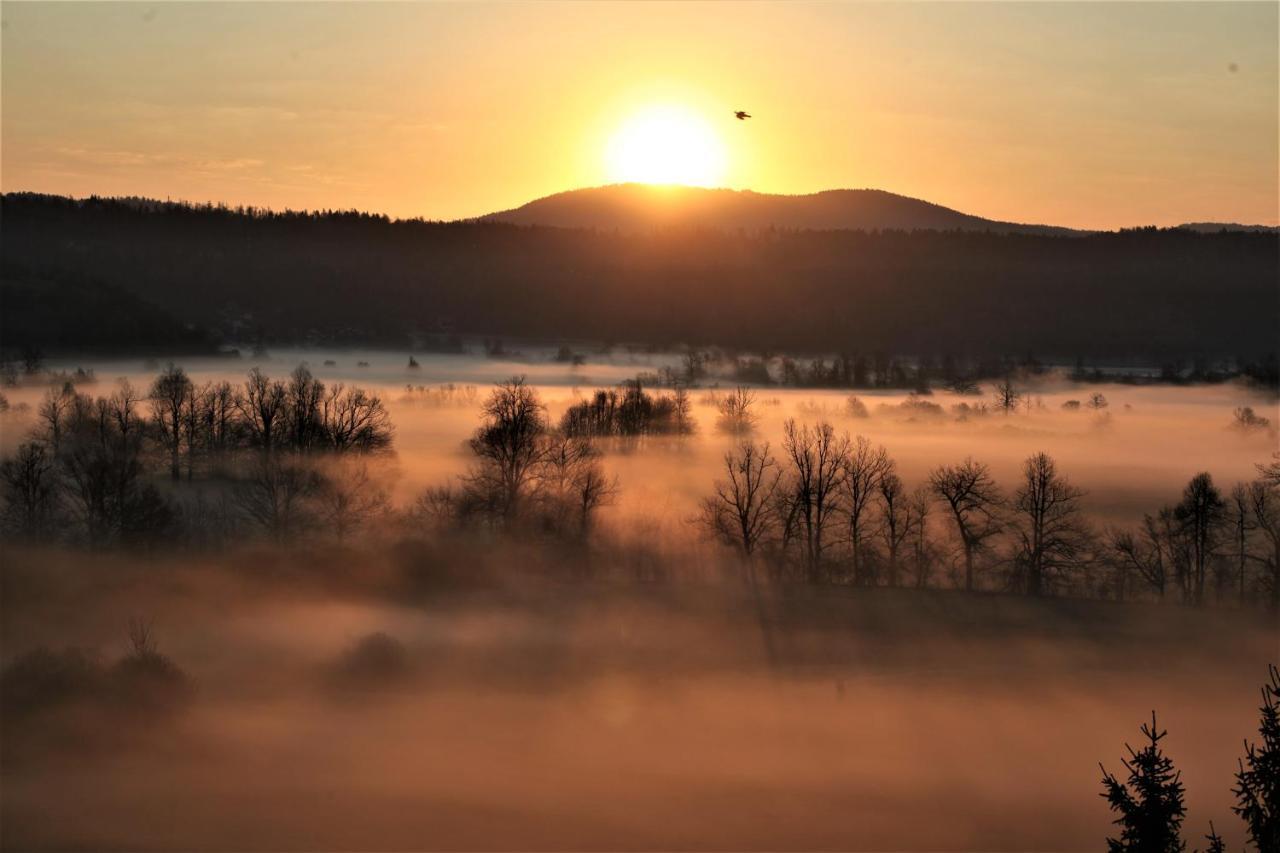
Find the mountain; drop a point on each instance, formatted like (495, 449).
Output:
(640, 207)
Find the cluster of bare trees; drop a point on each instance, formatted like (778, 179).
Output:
(631, 412)
(829, 508)
(832, 508)
(524, 473)
(300, 414)
(85, 473)
(1207, 545)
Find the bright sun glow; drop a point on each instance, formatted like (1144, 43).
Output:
(666, 145)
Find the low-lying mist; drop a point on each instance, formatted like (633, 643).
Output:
(407, 687)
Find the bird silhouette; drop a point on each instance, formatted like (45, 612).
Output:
(742, 115)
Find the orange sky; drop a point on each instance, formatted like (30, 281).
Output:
(1087, 115)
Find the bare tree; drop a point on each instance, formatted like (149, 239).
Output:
(1143, 553)
(509, 444)
(262, 409)
(740, 513)
(349, 498)
(570, 483)
(52, 414)
(1006, 395)
(864, 467)
(29, 484)
(971, 495)
(592, 489)
(1242, 524)
(1097, 401)
(1264, 499)
(922, 557)
(276, 494)
(171, 396)
(102, 473)
(351, 419)
(898, 521)
(817, 456)
(1200, 512)
(736, 415)
(303, 396)
(221, 404)
(1052, 535)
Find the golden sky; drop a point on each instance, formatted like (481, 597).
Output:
(1083, 114)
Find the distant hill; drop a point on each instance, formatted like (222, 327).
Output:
(640, 207)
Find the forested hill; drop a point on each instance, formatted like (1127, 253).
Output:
(640, 207)
(357, 277)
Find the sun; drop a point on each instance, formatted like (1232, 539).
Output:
(666, 145)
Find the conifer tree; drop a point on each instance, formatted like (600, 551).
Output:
(1257, 787)
(1149, 804)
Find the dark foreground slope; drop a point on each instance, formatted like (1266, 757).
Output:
(349, 277)
(640, 207)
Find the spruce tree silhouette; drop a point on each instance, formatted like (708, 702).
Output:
(1216, 844)
(1257, 787)
(1150, 802)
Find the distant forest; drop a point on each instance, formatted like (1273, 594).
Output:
(99, 273)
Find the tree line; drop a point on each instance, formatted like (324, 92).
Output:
(84, 472)
(822, 507)
(828, 507)
(346, 277)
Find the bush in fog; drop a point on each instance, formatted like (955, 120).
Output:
(1246, 419)
(143, 680)
(373, 662)
(1149, 803)
(146, 679)
(42, 679)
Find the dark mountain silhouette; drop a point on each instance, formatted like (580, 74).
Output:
(638, 207)
(346, 276)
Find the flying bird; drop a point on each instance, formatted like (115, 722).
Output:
(742, 115)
